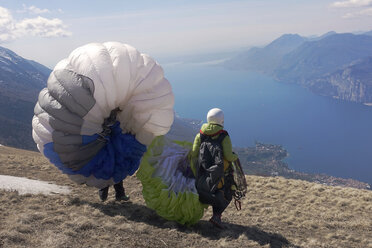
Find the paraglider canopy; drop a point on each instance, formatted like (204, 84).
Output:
(103, 104)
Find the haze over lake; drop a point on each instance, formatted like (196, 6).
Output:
(322, 135)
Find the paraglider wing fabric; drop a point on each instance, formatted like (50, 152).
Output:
(168, 184)
(102, 106)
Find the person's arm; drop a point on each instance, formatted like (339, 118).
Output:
(227, 150)
(193, 155)
(196, 146)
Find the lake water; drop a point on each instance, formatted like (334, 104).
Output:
(322, 135)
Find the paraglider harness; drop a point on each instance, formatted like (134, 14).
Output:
(107, 124)
(210, 170)
(236, 178)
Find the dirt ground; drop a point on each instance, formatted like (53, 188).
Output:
(277, 212)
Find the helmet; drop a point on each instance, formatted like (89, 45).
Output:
(215, 116)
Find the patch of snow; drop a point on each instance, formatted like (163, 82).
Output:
(29, 186)
(6, 62)
(5, 68)
(6, 56)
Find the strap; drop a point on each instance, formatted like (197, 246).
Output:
(238, 204)
(107, 124)
(215, 134)
(222, 136)
(238, 195)
(222, 133)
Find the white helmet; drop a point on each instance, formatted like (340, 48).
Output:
(215, 116)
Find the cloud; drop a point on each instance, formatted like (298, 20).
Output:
(43, 27)
(365, 12)
(6, 25)
(11, 29)
(352, 3)
(33, 10)
(362, 8)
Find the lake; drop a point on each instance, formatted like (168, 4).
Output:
(322, 135)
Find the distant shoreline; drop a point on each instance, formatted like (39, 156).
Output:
(268, 160)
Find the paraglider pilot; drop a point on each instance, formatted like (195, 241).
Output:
(213, 151)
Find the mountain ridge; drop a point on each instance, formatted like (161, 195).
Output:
(21, 77)
(316, 58)
(20, 83)
(351, 83)
(307, 62)
(267, 58)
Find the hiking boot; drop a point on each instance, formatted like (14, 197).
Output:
(103, 193)
(216, 220)
(122, 198)
(120, 192)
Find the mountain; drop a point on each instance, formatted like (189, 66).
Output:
(353, 83)
(311, 62)
(317, 58)
(21, 77)
(368, 33)
(267, 58)
(314, 38)
(20, 83)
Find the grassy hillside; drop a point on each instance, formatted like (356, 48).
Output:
(277, 212)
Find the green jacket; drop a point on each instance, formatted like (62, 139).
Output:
(211, 129)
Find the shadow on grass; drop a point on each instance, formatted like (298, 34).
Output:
(140, 213)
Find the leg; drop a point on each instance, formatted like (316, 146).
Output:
(120, 192)
(103, 193)
(219, 205)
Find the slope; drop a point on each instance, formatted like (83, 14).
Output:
(352, 83)
(20, 83)
(267, 58)
(314, 59)
(276, 213)
(313, 63)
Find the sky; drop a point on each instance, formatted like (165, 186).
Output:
(47, 31)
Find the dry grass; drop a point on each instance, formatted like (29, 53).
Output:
(276, 213)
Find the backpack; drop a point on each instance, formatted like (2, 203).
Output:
(210, 167)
